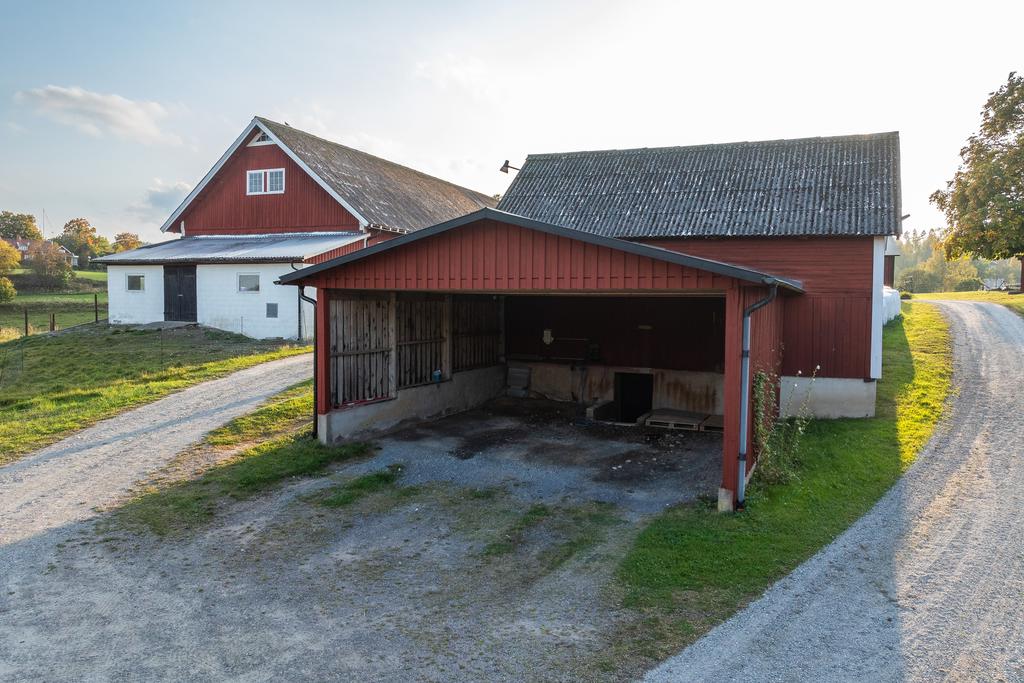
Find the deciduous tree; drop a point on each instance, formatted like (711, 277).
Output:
(126, 241)
(50, 264)
(9, 259)
(984, 202)
(19, 226)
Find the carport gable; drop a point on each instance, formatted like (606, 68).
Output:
(494, 251)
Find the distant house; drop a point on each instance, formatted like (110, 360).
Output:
(278, 199)
(23, 246)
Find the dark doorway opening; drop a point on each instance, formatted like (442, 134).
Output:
(180, 293)
(634, 395)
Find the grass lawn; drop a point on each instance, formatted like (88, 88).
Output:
(51, 386)
(692, 567)
(70, 309)
(1015, 302)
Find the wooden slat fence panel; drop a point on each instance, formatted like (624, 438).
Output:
(476, 332)
(361, 348)
(422, 335)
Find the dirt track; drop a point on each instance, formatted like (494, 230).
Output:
(928, 585)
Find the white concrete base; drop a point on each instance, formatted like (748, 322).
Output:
(827, 397)
(464, 391)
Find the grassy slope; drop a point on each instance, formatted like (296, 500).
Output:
(692, 567)
(51, 386)
(1015, 302)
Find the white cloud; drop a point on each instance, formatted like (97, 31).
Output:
(467, 74)
(161, 199)
(98, 114)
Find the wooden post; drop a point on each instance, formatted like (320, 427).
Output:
(96, 306)
(26, 321)
(53, 322)
(393, 339)
(731, 416)
(324, 346)
(447, 367)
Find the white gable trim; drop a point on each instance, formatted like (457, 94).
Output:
(363, 223)
(239, 141)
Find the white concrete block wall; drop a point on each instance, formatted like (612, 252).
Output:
(221, 305)
(126, 307)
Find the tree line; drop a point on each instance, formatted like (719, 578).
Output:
(924, 266)
(45, 258)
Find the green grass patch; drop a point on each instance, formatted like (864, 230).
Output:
(285, 411)
(360, 487)
(189, 504)
(512, 537)
(68, 309)
(692, 567)
(1015, 302)
(51, 386)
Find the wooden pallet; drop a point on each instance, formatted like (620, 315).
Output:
(681, 420)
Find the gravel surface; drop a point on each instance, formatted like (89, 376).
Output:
(64, 482)
(438, 579)
(928, 585)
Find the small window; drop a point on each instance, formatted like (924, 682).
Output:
(261, 139)
(275, 181)
(248, 282)
(136, 283)
(271, 310)
(255, 182)
(266, 181)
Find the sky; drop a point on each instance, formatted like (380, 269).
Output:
(113, 111)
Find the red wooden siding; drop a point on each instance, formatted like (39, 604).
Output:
(495, 256)
(647, 332)
(830, 325)
(223, 207)
(889, 275)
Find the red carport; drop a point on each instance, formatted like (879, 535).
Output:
(444, 318)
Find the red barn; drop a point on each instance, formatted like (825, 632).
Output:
(648, 283)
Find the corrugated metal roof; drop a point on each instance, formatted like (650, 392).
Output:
(265, 248)
(846, 185)
(386, 194)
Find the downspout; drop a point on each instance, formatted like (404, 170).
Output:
(741, 479)
(316, 337)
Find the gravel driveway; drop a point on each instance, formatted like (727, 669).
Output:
(62, 483)
(929, 584)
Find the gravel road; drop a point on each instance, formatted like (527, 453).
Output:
(929, 584)
(63, 483)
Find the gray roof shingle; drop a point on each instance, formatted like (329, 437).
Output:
(386, 194)
(847, 185)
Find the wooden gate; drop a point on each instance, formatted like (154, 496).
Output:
(362, 330)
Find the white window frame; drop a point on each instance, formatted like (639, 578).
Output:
(261, 139)
(135, 291)
(265, 175)
(238, 283)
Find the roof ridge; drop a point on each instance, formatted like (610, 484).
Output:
(710, 145)
(264, 119)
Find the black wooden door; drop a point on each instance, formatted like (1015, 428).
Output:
(180, 293)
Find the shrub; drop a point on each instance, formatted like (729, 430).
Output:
(969, 285)
(906, 295)
(50, 264)
(918, 280)
(777, 439)
(7, 290)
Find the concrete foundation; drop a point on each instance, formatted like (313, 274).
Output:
(465, 390)
(827, 397)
